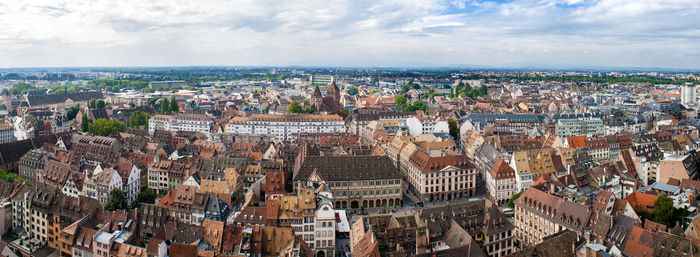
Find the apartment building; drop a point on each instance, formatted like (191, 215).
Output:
(530, 165)
(580, 126)
(7, 131)
(158, 175)
(102, 183)
(358, 119)
(422, 123)
(500, 124)
(96, 149)
(481, 219)
(500, 182)
(299, 213)
(325, 225)
(441, 178)
(181, 122)
(130, 175)
(284, 127)
(31, 162)
(539, 215)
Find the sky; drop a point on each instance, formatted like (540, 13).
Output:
(373, 33)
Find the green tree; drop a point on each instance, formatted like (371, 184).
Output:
(454, 129)
(92, 102)
(138, 119)
(173, 105)
(663, 210)
(147, 90)
(117, 201)
(147, 195)
(406, 87)
(85, 123)
(400, 100)
(165, 105)
(105, 127)
(352, 90)
(12, 177)
(72, 111)
(100, 104)
(294, 107)
(21, 89)
(511, 201)
(417, 105)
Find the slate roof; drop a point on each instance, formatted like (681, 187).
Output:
(13, 151)
(560, 244)
(335, 168)
(487, 118)
(35, 100)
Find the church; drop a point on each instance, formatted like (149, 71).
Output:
(328, 104)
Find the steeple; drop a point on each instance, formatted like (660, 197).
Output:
(333, 92)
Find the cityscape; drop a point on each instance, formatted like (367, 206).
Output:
(349, 128)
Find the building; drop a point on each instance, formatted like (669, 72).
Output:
(689, 95)
(580, 126)
(369, 181)
(325, 225)
(392, 235)
(539, 215)
(530, 165)
(102, 183)
(62, 100)
(481, 219)
(358, 119)
(440, 178)
(96, 149)
(678, 167)
(283, 127)
(7, 131)
(31, 162)
(500, 182)
(130, 174)
(421, 123)
(181, 122)
(329, 103)
(501, 123)
(321, 79)
(167, 84)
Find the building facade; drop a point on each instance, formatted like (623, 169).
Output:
(284, 127)
(181, 122)
(368, 181)
(580, 126)
(539, 215)
(441, 178)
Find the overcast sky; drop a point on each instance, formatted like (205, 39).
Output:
(518, 33)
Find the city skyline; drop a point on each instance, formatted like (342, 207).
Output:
(495, 34)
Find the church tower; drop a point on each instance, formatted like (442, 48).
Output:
(333, 92)
(317, 99)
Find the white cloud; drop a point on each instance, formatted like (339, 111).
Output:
(652, 33)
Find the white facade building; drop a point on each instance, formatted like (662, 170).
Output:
(7, 131)
(325, 225)
(282, 127)
(689, 95)
(580, 126)
(181, 122)
(131, 184)
(426, 124)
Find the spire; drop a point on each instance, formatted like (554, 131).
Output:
(317, 92)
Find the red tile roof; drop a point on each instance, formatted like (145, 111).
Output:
(641, 200)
